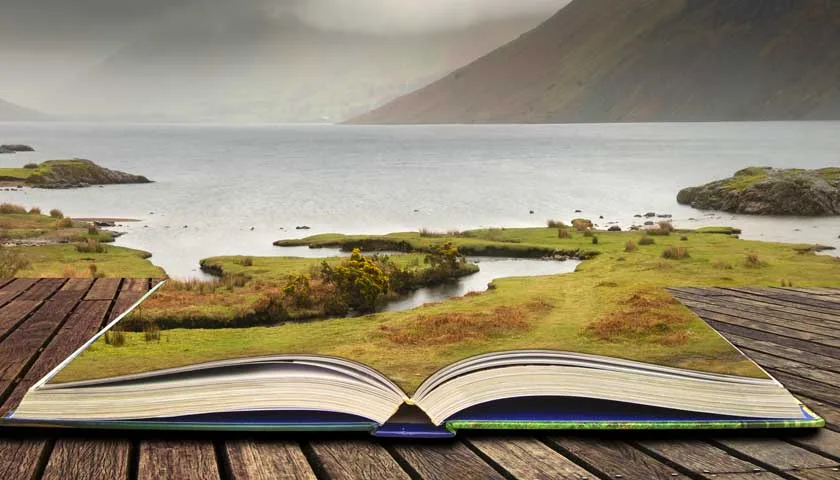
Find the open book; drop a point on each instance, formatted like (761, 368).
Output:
(102, 386)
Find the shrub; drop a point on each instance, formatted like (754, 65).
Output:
(93, 229)
(753, 261)
(56, 213)
(675, 253)
(30, 166)
(151, 332)
(630, 246)
(564, 233)
(588, 234)
(359, 282)
(299, 291)
(594, 240)
(787, 283)
(34, 211)
(64, 223)
(246, 261)
(92, 245)
(270, 309)
(11, 262)
(7, 208)
(555, 224)
(92, 269)
(646, 241)
(683, 238)
(663, 228)
(582, 224)
(115, 338)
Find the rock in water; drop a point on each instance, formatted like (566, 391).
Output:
(770, 191)
(78, 173)
(15, 148)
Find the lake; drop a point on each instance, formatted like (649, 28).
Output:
(223, 189)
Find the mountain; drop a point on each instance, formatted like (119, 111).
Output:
(9, 112)
(255, 69)
(647, 61)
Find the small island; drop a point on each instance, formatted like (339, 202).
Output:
(12, 148)
(770, 191)
(75, 173)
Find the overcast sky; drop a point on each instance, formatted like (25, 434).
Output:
(108, 17)
(50, 43)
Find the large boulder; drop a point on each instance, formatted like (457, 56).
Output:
(770, 191)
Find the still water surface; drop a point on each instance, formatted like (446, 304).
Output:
(214, 183)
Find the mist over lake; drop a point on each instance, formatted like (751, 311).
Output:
(213, 183)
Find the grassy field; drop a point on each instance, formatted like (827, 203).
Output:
(243, 285)
(54, 251)
(64, 261)
(16, 173)
(615, 304)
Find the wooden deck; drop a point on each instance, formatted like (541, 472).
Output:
(793, 333)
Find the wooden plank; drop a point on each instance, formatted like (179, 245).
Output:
(810, 295)
(742, 301)
(727, 328)
(350, 459)
(796, 299)
(21, 458)
(735, 308)
(783, 305)
(5, 281)
(813, 359)
(135, 285)
(527, 458)
(613, 458)
(823, 441)
(794, 461)
(13, 314)
(795, 368)
(104, 289)
(42, 289)
(445, 460)
(186, 460)
(815, 290)
(82, 459)
(705, 459)
(131, 291)
(74, 288)
(820, 327)
(763, 326)
(800, 386)
(11, 290)
(82, 324)
(267, 460)
(23, 344)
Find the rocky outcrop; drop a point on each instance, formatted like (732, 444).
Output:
(770, 191)
(78, 173)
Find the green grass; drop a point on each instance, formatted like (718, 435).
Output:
(56, 261)
(15, 173)
(274, 269)
(615, 304)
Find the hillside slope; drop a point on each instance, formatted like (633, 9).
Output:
(647, 60)
(9, 112)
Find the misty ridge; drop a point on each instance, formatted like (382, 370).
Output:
(248, 61)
